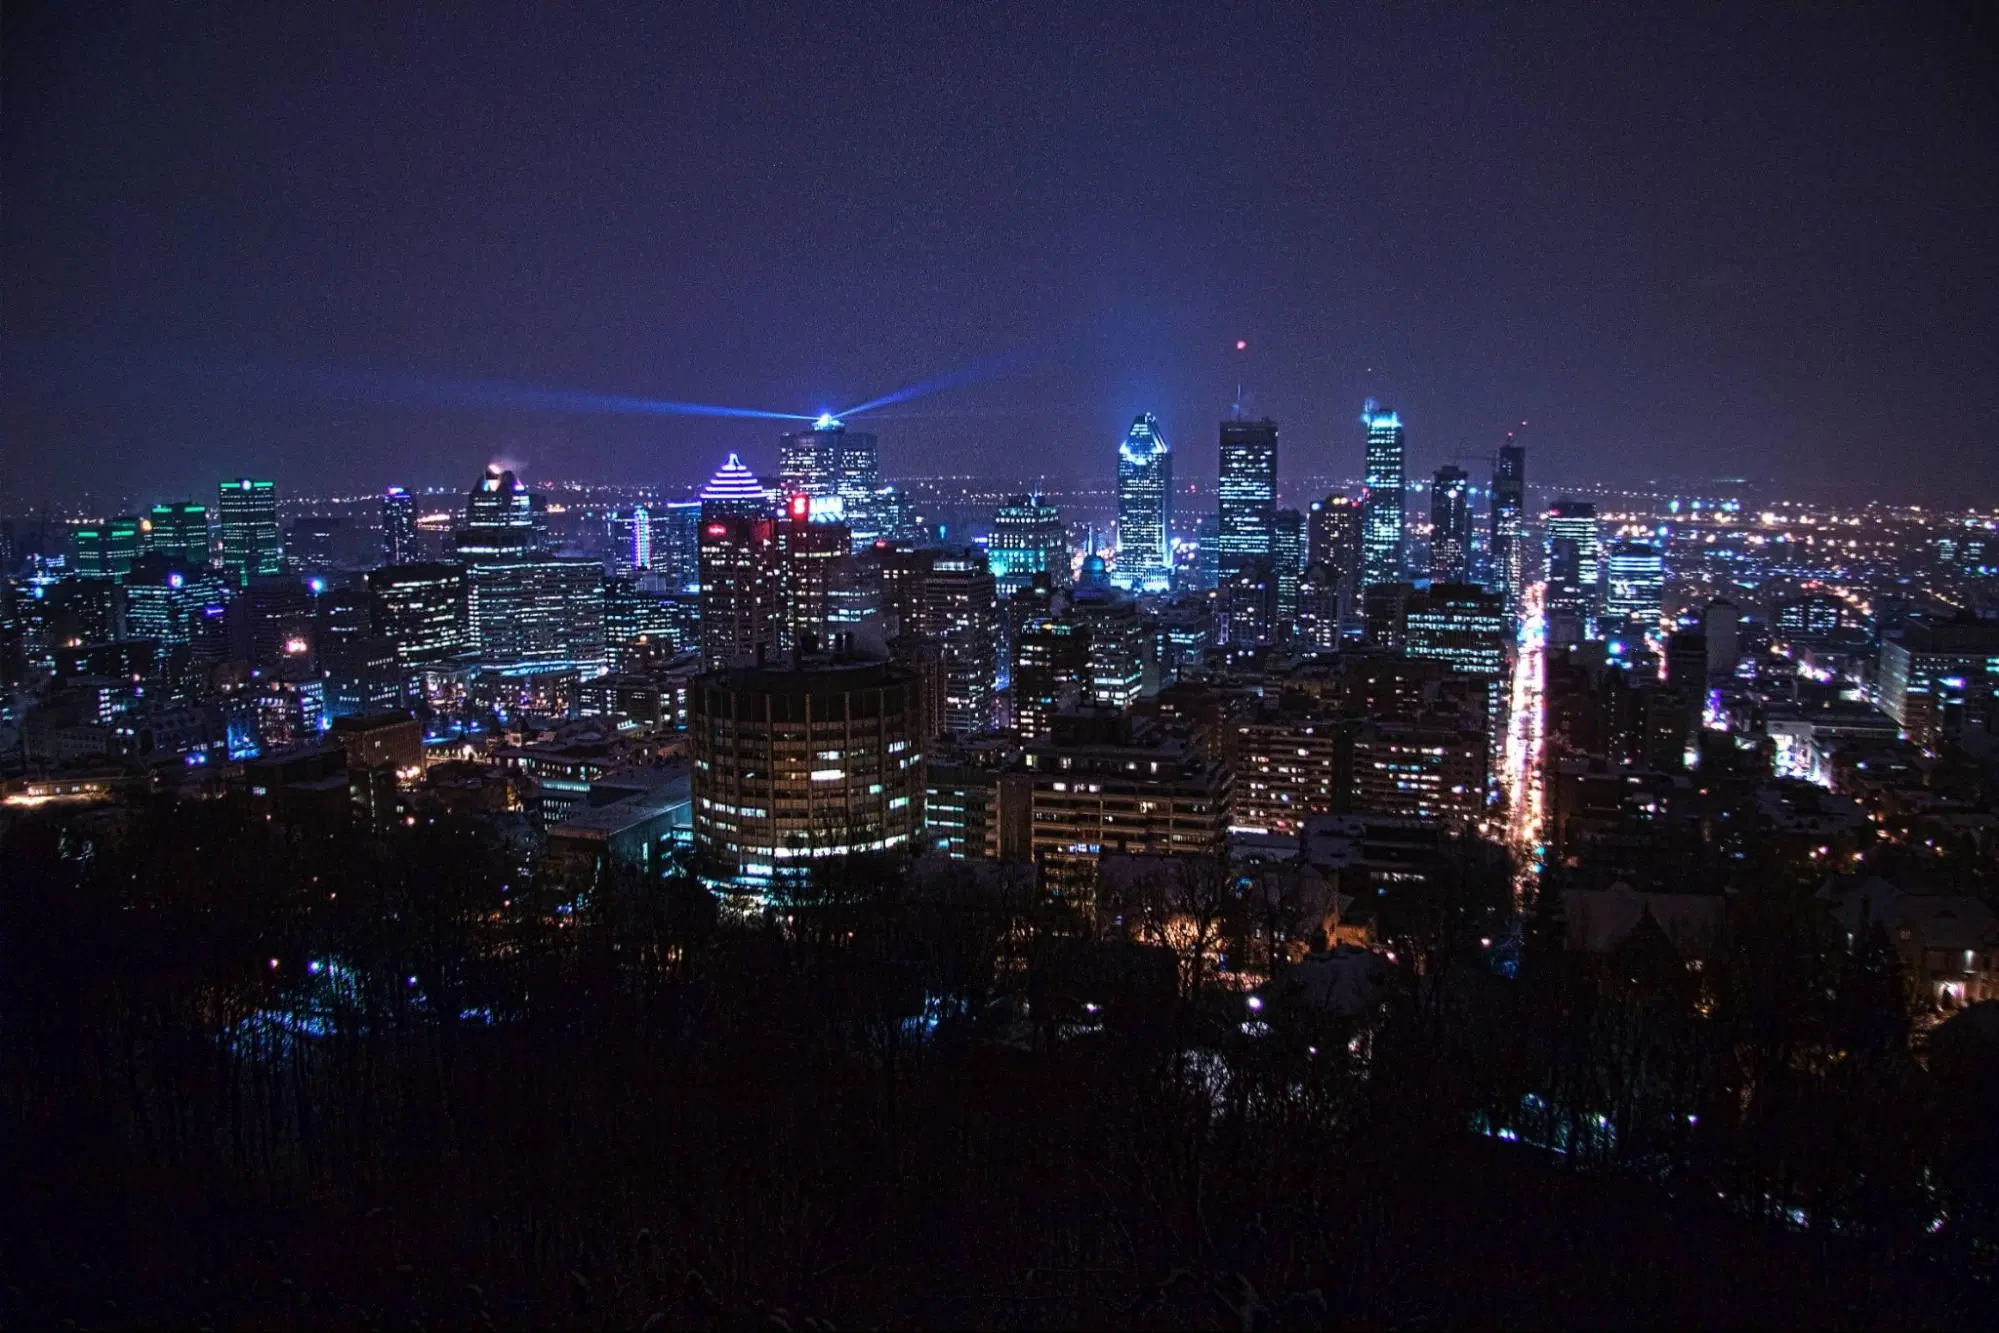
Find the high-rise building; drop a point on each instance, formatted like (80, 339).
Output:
(961, 615)
(1381, 528)
(1248, 495)
(734, 491)
(1117, 647)
(1287, 566)
(1144, 509)
(1634, 587)
(1937, 674)
(840, 471)
(1509, 506)
(250, 544)
(499, 517)
(676, 544)
(741, 602)
(1574, 570)
(796, 763)
(806, 551)
(1051, 669)
(631, 535)
(180, 532)
(1450, 526)
(422, 609)
(399, 545)
(108, 550)
(1333, 545)
(1027, 539)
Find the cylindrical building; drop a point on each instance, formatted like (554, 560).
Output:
(820, 757)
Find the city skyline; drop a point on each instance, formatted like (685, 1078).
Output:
(349, 263)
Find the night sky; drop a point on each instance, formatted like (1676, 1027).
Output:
(1685, 243)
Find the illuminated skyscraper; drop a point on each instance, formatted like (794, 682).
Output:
(180, 532)
(499, 517)
(422, 609)
(1332, 544)
(1509, 505)
(250, 544)
(1027, 539)
(676, 544)
(1450, 526)
(1633, 588)
(1381, 528)
(398, 527)
(1144, 513)
(961, 615)
(806, 551)
(1574, 573)
(1248, 491)
(741, 588)
(1287, 563)
(108, 550)
(734, 491)
(841, 473)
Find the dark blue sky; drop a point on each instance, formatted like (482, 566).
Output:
(1688, 242)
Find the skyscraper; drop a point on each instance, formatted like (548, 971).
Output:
(1248, 491)
(1287, 559)
(839, 469)
(422, 609)
(740, 587)
(499, 517)
(398, 527)
(1027, 539)
(1381, 529)
(1509, 504)
(1144, 515)
(1634, 586)
(1332, 544)
(805, 553)
(1450, 526)
(961, 615)
(180, 532)
(676, 544)
(734, 491)
(1574, 556)
(250, 545)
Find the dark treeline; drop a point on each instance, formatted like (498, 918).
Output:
(254, 1077)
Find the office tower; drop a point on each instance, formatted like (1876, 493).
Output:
(249, 519)
(1458, 624)
(422, 609)
(108, 550)
(1287, 562)
(1509, 508)
(1144, 513)
(1333, 544)
(676, 544)
(1319, 608)
(630, 532)
(1027, 539)
(399, 527)
(805, 553)
(1208, 552)
(499, 517)
(1574, 559)
(961, 615)
(1634, 587)
(1247, 513)
(867, 508)
(802, 761)
(734, 491)
(273, 621)
(1117, 646)
(1381, 525)
(741, 601)
(1247, 605)
(166, 599)
(525, 608)
(1936, 674)
(1051, 668)
(1450, 526)
(180, 532)
(808, 461)
(840, 470)
(314, 543)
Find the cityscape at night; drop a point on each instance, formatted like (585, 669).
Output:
(664, 669)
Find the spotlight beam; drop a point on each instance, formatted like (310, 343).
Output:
(991, 368)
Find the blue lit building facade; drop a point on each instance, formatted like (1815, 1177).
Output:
(1144, 509)
(1381, 525)
(1248, 495)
